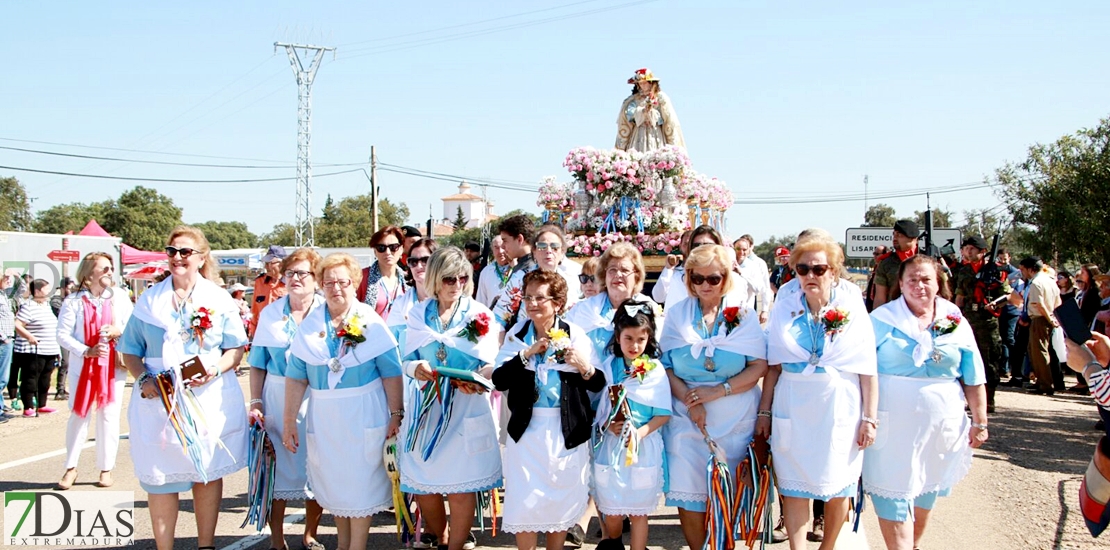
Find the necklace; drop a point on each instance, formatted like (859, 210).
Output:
(935, 355)
(706, 332)
(813, 338)
(180, 307)
(441, 353)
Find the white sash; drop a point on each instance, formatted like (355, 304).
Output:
(898, 315)
(311, 344)
(419, 333)
(399, 313)
(852, 350)
(155, 307)
(578, 340)
(272, 329)
(746, 339)
(587, 313)
(653, 391)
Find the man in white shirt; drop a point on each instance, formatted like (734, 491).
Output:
(494, 277)
(754, 269)
(1044, 298)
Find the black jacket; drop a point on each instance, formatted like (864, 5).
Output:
(574, 401)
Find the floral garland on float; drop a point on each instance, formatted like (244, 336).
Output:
(616, 194)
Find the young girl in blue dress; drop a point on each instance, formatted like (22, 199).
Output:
(628, 457)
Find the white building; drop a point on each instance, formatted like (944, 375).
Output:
(475, 209)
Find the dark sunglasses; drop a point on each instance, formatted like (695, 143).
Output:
(452, 281)
(381, 248)
(184, 252)
(699, 280)
(804, 269)
(413, 260)
(586, 279)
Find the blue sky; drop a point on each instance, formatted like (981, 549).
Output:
(777, 99)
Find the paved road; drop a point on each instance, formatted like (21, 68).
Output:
(1021, 492)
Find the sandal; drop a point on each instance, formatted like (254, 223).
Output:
(105, 479)
(314, 545)
(67, 480)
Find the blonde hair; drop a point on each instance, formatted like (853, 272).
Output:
(448, 261)
(709, 255)
(621, 251)
(85, 270)
(819, 240)
(589, 267)
(340, 259)
(208, 266)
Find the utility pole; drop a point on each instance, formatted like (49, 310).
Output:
(374, 188)
(305, 226)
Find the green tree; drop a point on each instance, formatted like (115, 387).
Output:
(70, 216)
(283, 234)
(460, 220)
(15, 207)
(1059, 191)
(348, 222)
(766, 249)
(227, 235)
(880, 215)
(143, 218)
(941, 218)
(460, 238)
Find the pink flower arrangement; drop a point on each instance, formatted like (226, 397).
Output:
(557, 193)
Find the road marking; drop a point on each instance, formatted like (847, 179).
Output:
(251, 540)
(44, 456)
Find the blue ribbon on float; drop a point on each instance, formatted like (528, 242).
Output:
(639, 217)
(609, 224)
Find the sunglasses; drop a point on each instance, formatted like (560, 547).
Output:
(381, 248)
(184, 252)
(554, 247)
(586, 279)
(699, 280)
(414, 260)
(805, 269)
(452, 281)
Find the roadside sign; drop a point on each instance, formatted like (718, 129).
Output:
(64, 255)
(862, 241)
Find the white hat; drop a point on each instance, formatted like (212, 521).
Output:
(237, 287)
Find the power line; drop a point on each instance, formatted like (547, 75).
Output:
(527, 185)
(166, 163)
(141, 151)
(167, 180)
(859, 197)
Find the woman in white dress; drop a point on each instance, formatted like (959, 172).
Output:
(929, 367)
(820, 396)
(269, 358)
(547, 367)
(448, 445)
(419, 255)
(89, 324)
(647, 120)
(714, 352)
(346, 358)
(620, 274)
(166, 331)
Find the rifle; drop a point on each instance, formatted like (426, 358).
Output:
(989, 277)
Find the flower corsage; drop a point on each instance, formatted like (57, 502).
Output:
(560, 343)
(476, 328)
(947, 325)
(732, 318)
(834, 319)
(200, 322)
(640, 367)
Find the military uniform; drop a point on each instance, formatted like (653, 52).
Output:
(984, 324)
(886, 274)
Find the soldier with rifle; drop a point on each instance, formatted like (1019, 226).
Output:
(980, 290)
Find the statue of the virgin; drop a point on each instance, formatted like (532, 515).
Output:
(647, 120)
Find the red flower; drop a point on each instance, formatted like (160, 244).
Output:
(732, 314)
(340, 333)
(481, 322)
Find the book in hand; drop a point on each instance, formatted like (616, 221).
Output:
(466, 376)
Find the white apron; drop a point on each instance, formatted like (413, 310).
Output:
(345, 440)
(922, 444)
(155, 449)
(291, 478)
(628, 490)
(466, 459)
(813, 432)
(729, 420)
(546, 485)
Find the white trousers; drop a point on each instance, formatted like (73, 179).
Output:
(107, 425)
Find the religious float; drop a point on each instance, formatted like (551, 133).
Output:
(643, 191)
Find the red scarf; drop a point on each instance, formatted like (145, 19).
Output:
(95, 384)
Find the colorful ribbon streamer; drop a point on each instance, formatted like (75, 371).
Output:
(261, 467)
